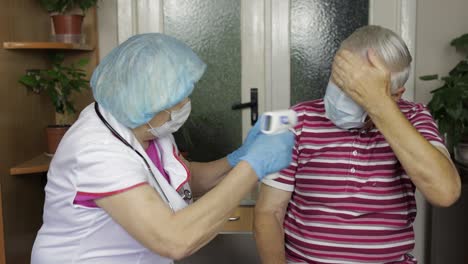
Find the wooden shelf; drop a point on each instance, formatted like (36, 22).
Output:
(47, 45)
(35, 165)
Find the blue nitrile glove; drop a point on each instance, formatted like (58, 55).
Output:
(234, 157)
(270, 153)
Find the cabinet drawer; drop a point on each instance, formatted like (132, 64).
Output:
(241, 220)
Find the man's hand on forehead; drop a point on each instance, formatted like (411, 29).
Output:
(366, 83)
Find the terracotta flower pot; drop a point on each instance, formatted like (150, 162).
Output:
(67, 24)
(54, 134)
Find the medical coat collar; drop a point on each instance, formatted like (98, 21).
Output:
(175, 201)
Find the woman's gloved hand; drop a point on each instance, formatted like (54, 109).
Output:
(270, 153)
(234, 157)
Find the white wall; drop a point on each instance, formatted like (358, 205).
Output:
(399, 16)
(438, 22)
(107, 27)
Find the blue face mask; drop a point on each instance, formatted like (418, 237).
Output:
(341, 109)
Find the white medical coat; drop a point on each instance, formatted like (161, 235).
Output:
(91, 160)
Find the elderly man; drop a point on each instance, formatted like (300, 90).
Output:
(349, 194)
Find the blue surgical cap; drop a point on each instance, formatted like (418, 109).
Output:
(145, 75)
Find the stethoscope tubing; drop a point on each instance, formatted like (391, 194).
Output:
(124, 141)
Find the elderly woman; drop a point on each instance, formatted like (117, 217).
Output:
(118, 190)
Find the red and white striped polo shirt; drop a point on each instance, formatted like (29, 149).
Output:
(352, 202)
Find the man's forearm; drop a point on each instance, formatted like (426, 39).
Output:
(430, 170)
(269, 236)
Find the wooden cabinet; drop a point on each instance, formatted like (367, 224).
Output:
(240, 221)
(24, 32)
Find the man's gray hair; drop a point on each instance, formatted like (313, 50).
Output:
(388, 46)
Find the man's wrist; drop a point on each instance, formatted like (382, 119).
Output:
(382, 108)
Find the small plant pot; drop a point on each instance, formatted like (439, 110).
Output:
(461, 153)
(54, 134)
(67, 24)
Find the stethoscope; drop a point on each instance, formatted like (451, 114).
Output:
(186, 195)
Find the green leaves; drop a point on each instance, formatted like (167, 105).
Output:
(429, 77)
(86, 4)
(460, 42)
(448, 106)
(62, 6)
(449, 103)
(460, 70)
(58, 82)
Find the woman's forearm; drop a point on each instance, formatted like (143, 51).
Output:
(205, 175)
(178, 234)
(430, 170)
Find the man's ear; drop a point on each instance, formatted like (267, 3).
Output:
(398, 93)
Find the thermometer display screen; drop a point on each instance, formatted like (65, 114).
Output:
(267, 123)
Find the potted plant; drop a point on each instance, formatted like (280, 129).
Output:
(449, 104)
(67, 17)
(58, 83)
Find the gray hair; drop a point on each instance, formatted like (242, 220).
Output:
(388, 45)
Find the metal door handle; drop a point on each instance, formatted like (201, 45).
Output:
(232, 219)
(253, 104)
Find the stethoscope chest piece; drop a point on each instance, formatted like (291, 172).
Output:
(187, 195)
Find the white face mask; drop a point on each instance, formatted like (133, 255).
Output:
(176, 120)
(341, 109)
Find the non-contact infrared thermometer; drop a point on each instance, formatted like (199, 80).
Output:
(276, 122)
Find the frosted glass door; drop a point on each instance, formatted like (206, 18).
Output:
(213, 30)
(317, 29)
